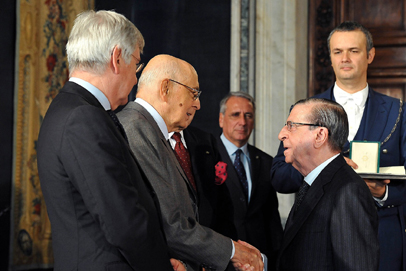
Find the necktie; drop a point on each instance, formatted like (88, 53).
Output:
(301, 194)
(239, 167)
(118, 124)
(183, 157)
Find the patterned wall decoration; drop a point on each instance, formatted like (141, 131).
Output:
(43, 28)
(321, 22)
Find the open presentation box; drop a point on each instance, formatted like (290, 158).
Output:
(366, 154)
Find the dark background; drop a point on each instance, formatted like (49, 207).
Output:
(196, 31)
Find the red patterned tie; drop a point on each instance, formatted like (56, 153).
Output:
(183, 157)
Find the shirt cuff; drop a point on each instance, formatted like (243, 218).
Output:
(382, 201)
(233, 251)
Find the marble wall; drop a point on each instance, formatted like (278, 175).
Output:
(269, 56)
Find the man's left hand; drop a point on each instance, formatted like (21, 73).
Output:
(377, 187)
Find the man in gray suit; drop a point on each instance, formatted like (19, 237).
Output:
(333, 224)
(167, 100)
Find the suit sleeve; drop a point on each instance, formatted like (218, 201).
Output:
(354, 229)
(284, 177)
(97, 164)
(189, 240)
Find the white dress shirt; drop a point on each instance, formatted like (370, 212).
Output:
(354, 105)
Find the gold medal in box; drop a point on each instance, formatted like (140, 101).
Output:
(366, 155)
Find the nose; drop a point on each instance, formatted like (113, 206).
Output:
(242, 119)
(345, 57)
(283, 133)
(197, 104)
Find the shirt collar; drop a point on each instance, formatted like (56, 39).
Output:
(359, 97)
(158, 119)
(182, 138)
(97, 93)
(231, 148)
(309, 179)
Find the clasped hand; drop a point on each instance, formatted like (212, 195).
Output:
(247, 257)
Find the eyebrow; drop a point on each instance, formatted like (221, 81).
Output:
(351, 48)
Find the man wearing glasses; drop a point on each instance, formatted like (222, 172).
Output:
(372, 116)
(333, 224)
(167, 100)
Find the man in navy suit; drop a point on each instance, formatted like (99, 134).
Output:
(372, 117)
(254, 202)
(333, 224)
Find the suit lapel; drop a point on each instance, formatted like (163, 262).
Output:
(255, 160)
(172, 156)
(191, 143)
(313, 196)
(233, 181)
(375, 115)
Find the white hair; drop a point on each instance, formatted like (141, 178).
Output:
(95, 35)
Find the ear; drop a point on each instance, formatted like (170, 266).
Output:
(164, 89)
(321, 137)
(371, 55)
(116, 60)
(221, 119)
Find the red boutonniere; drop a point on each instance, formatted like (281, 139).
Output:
(221, 173)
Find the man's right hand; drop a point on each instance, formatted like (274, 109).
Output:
(247, 258)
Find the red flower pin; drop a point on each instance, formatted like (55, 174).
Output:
(221, 173)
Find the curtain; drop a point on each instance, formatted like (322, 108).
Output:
(43, 28)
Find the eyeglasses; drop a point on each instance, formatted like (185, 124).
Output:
(139, 65)
(195, 92)
(290, 124)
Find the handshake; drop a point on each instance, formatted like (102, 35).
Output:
(247, 257)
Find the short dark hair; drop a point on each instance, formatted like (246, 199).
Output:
(352, 26)
(331, 115)
(240, 94)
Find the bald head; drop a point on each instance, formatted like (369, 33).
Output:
(159, 68)
(167, 84)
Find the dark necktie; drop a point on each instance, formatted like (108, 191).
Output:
(117, 123)
(183, 157)
(301, 194)
(239, 167)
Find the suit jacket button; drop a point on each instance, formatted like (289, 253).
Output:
(385, 151)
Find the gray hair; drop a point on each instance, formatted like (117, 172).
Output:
(241, 94)
(95, 35)
(352, 26)
(331, 115)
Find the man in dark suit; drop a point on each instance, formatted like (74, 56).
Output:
(167, 100)
(372, 117)
(100, 204)
(333, 224)
(254, 202)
